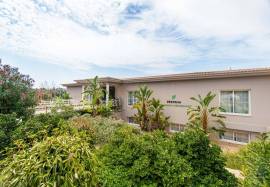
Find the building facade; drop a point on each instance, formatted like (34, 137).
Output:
(242, 93)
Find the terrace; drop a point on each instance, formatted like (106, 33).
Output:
(46, 106)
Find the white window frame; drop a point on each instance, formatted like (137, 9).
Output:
(181, 128)
(233, 113)
(175, 130)
(237, 142)
(132, 98)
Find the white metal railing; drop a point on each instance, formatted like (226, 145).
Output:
(46, 106)
(52, 102)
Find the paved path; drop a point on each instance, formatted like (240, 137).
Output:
(237, 173)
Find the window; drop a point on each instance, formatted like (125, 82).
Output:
(236, 136)
(176, 127)
(241, 137)
(88, 97)
(235, 102)
(131, 98)
(228, 135)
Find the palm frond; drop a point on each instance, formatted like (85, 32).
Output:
(203, 113)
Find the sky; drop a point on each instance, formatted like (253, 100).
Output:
(59, 41)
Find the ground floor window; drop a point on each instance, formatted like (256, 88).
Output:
(176, 127)
(236, 136)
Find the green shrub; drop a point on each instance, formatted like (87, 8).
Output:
(62, 110)
(134, 159)
(99, 110)
(86, 110)
(38, 127)
(8, 124)
(233, 160)
(205, 158)
(99, 127)
(256, 163)
(58, 161)
(105, 110)
(16, 92)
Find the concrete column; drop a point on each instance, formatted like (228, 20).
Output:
(107, 93)
(82, 92)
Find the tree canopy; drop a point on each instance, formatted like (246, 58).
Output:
(16, 93)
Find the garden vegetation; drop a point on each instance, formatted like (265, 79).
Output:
(90, 147)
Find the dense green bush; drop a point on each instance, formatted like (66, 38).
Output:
(99, 110)
(58, 161)
(50, 150)
(134, 159)
(16, 92)
(105, 110)
(99, 127)
(233, 160)
(256, 163)
(8, 124)
(156, 159)
(62, 110)
(39, 127)
(205, 158)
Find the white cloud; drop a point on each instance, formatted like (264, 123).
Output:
(53, 37)
(81, 33)
(217, 18)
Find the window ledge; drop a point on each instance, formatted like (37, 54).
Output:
(234, 142)
(235, 114)
(174, 131)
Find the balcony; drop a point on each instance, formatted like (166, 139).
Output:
(46, 106)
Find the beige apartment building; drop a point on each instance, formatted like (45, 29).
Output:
(244, 94)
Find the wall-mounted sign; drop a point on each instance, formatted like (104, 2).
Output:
(173, 100)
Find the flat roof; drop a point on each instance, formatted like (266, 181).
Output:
(101, 79)
(71, 84)
(183, 76)
(201, 75)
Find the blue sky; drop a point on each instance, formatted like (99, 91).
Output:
(62, 40)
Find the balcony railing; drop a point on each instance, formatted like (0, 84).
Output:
(46, 106)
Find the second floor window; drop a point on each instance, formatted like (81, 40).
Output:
(131, 98)
(235, 102)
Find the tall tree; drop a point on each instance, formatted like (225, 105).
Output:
(16, 93)
(142, 117)
(204, 114)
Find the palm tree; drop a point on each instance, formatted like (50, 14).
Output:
(205, 115)
(158, 119)
(142, 117)
(95, 91)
